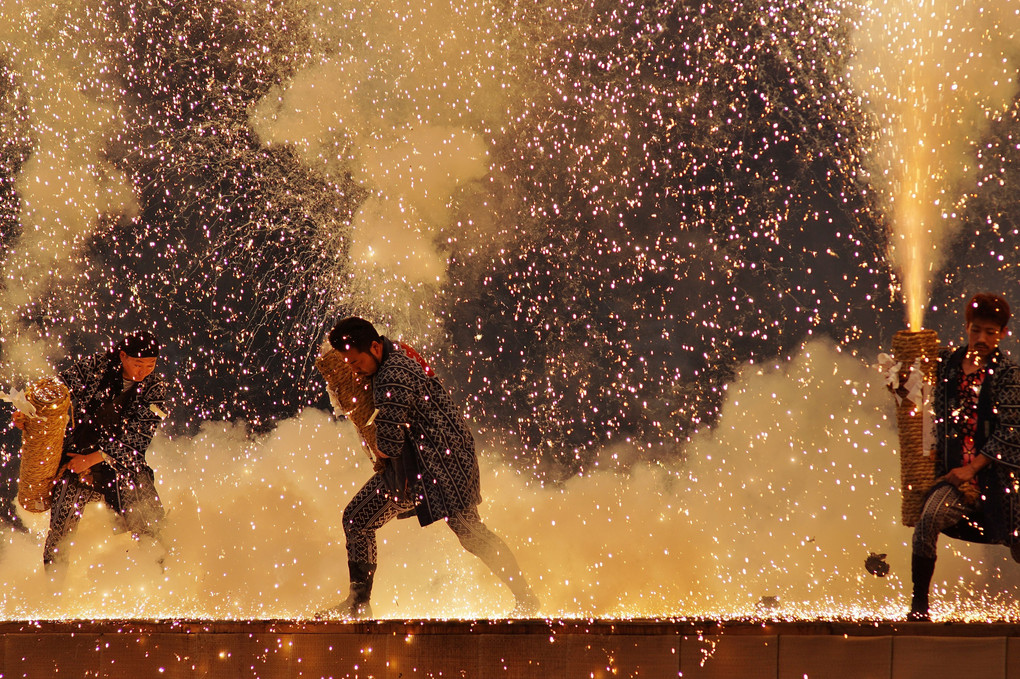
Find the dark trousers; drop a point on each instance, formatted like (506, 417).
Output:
(944, 507)
(371, 508)
(134, 500)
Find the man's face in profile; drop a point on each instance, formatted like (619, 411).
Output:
(363, 363)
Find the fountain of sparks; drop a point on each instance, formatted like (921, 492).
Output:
(937, 77)
(632, 237)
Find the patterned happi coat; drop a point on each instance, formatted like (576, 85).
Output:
(420, 428)
(997, 519)
(95, 380)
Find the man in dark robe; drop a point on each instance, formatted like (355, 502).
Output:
(117, 403)
(429, 468)
(976, 405)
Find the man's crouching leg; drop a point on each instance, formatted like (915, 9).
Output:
(369, 510)
(67, 506)
(476, 538)
(944, 507)
(141, 511)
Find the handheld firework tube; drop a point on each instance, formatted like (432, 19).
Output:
(917, 466)
(42, 441)
(353, 395)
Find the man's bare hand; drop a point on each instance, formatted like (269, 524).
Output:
(961, 475)
(80, 464)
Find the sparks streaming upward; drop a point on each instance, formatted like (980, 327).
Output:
(936, 76)
(593, 212)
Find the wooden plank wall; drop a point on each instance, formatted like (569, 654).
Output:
(511, 649)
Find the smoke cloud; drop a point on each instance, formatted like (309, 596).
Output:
(400, 113)
(67, 187)
(785, 498)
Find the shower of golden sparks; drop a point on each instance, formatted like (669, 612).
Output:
(658, 193)
(612, 226)
(937, 76)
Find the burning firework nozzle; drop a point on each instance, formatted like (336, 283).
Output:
(351, 396)
(42, 442)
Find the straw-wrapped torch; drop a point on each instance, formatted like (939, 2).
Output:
(351, 396)
(48, 410)
(916, 356)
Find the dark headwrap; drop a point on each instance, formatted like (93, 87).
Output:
(140, 345)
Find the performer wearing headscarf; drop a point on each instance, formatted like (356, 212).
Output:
(117, 405)
(977, 447)
(429, 470)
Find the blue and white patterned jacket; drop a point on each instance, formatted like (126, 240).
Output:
(92, 381)
(423, 432)
(997, 437)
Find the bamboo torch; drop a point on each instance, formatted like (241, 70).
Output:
(351, 396)
(917, 465)
(42, 441)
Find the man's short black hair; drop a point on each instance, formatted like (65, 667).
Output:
(353, 333)
(990, 307)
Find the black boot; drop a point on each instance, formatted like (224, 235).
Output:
(921, 570)
(355, 606)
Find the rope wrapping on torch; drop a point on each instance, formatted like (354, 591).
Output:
(42, 443)
(351, 396)
(915, 351)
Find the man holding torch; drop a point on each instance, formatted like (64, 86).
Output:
(976, 406)
(428, 467)
(117, 405)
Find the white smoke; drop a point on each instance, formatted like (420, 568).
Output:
(398, 97)
(67, 186)
(785, 498)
